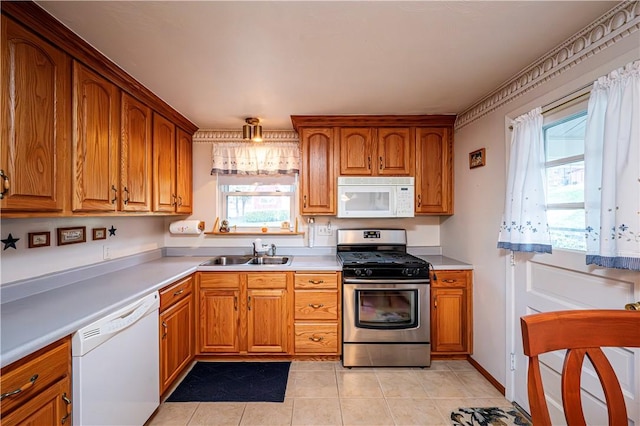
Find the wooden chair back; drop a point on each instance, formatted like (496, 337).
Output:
(580, 332)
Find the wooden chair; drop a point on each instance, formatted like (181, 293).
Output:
(580, 332)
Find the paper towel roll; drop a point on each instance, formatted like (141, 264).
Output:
(186, 227)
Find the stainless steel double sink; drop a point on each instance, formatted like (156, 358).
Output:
(230, 260)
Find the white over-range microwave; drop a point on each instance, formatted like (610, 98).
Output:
(362, 197)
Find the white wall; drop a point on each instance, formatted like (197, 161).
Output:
(471, 234)
(421, 231)
(133, 235)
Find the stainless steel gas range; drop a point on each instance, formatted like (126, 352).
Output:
(386, 318)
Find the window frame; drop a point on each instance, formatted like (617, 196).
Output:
(225, 181)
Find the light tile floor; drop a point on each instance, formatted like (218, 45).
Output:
(325, 393)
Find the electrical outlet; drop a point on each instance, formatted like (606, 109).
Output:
(325, 231)
(106, 252)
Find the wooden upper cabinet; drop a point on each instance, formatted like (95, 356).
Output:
(184, 172)
(395, 156)
(96, 140)
(434, 171)
(384, 151)
(317, 177)
(35, 97)
(357, 151)
(164, 165)
(136, 146)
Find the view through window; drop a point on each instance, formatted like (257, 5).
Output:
(257, 201)
(564, 150)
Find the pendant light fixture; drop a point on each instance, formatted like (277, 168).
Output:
(252, 130)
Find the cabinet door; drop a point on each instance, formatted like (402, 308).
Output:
(184, 172)
(219, 320)
(434, 171)
(96, 139)
(395, 152)
(176, 341)
(135, 175)
(357, 151)
(267, 320)
(449, 317)
(317, 177)
(35, 95)
(164, 165)
(49, 408)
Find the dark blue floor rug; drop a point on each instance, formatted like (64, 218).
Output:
(234, 381)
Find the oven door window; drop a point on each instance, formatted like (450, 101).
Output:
(387, 309)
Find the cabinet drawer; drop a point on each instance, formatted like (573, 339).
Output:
(316, 338)
(267, 280)
(175, 292)
(450, 279)
(316, 305)
(316, 280)
(219, 280)
(35, 373)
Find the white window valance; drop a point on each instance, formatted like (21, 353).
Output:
(251, 158)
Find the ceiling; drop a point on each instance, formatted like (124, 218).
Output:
(218, 62)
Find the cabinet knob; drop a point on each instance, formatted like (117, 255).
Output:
(5, 184)
(632, 306)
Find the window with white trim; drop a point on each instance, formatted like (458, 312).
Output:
(252, 202)
(564, 130)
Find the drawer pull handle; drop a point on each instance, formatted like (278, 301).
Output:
(179, 292)
(165, 327)
(316, 305)
(22, 388)
(316, 281)
(449, 281)
(126, 191)
(315, 339)
(67, 401)
(249, 303)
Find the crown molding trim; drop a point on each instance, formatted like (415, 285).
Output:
(615, 25)
(213, 135)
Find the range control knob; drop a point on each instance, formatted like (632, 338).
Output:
(368, 272)
(410, 272)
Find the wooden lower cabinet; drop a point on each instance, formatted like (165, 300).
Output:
(177, 315)
(45, 380)
(451, 312)
(244, 313)
(317, 313)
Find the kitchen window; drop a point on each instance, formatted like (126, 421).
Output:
(564, 132)
(257, 201)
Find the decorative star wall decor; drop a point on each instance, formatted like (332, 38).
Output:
(112, 231)
(10, 242)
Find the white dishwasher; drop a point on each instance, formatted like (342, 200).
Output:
(116, 367)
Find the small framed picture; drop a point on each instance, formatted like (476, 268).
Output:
(39, 239)
(72, 235)
(477, 158)
(99, 233)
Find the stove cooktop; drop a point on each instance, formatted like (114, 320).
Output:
(379, 258)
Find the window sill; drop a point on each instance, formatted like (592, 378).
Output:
(269, 231)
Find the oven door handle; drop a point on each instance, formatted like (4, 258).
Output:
(385, 281)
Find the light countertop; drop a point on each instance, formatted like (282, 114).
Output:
(31, 322)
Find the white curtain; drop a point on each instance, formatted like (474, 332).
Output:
(524, 224)
(251, 158)
(612, 170)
